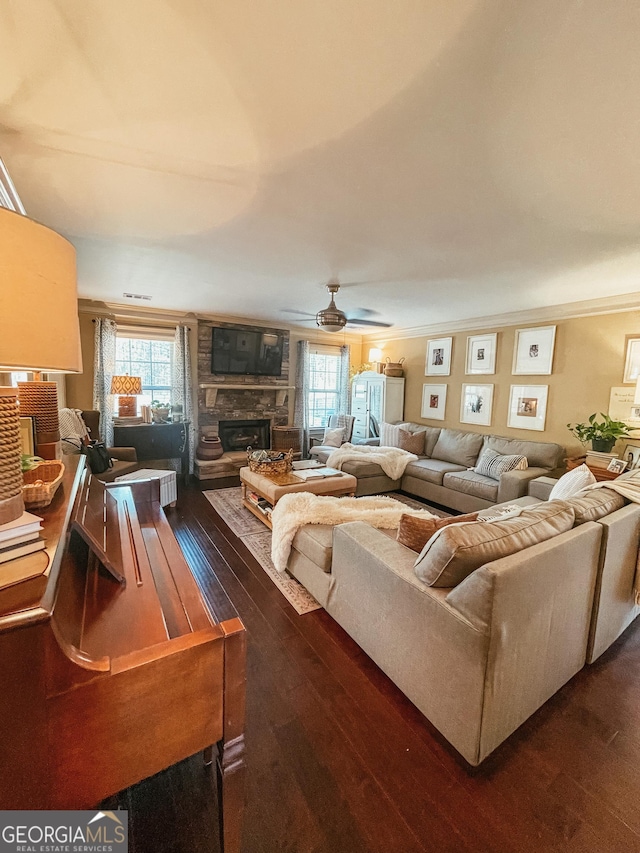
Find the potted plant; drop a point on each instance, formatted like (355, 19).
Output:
(160, 411)
(602, 434)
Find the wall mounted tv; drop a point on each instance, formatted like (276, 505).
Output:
(245, 352)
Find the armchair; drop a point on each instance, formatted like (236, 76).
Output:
(344, 422)
(125, 459)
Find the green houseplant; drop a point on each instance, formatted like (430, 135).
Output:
(602, 434)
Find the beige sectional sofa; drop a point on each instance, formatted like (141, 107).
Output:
(480, 657)
(442, 476)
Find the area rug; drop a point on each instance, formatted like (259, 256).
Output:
(257, 538)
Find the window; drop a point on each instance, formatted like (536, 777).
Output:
(151, 359)
(324, 385)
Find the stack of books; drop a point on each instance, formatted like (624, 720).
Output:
(20, 537)
(133, 420)
(596, 459)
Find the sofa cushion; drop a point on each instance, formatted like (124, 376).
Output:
(470, 483)
(414, 531)
(594, 504)
(461, 448)
(390, 434)
(571, 483)
(431, 470)
(412, 442)
(333, 437)
(455, 551)
(540, 454)
(315, 541)
(493, 464)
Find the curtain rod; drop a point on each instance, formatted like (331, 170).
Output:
(143, 325)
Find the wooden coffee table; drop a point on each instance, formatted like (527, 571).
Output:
(272, 487)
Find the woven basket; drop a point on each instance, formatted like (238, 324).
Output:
(271, 466)
(394, 368)
(41, 482)
(286, 438)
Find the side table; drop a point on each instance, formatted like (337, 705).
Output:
(599, 473)
(156, 441)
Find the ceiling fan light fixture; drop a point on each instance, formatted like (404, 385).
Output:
(331, 319)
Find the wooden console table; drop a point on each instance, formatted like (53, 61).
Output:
(112, 667)
(156, 441)
(599, 473)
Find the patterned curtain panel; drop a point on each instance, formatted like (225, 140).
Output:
(302, 389)
(181, 388)
(104, 364)
(344, 398)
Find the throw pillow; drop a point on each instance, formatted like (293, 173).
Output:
(492, 464)
(333, 437)
(390, 434)
(413, 442)
(455, 551)
(415, 532)
(571, 483)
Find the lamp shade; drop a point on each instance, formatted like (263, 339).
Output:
(127, 385)
(375, 354)
(39, 316)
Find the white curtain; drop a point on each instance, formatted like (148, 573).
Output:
(103, 370)
(302, 390)
(181, 388)
(344, 398)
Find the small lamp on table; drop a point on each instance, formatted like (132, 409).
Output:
(128, 388)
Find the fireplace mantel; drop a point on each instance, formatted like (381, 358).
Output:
(211, 391)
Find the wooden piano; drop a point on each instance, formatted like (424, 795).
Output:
(112, 667)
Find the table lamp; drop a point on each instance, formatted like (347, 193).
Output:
(39, 331)
(128, 388)
(375, 357)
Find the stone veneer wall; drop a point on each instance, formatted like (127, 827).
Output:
(237, 404)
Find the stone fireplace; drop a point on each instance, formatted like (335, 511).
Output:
(241, 402)
(240, 434)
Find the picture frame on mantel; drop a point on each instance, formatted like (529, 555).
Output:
(434, 401)
(481, 353)
(533, 351)
(528, 407)
(438, 357)
(476, 404)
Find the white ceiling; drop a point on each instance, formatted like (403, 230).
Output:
(452, 158)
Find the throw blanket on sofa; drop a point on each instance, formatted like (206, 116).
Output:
(627, 485)
(392, 460)
(298, 508)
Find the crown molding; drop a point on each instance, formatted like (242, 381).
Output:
(570, 310)
(160, 316)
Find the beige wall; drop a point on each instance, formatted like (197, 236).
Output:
(589, 360)
(80, 386)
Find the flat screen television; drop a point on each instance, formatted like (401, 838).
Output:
(245, 352)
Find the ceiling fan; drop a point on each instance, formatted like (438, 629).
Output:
(332, 319)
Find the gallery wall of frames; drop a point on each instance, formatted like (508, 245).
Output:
(526, 381)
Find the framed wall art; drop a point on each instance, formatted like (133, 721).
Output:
(623, 407)
(533, 350)
(481, 353)
(438, 357)
(476, 403)
(434, 399)
(528, 406)
(632, 359)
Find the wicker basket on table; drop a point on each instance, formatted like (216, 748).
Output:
(41, 482)
(275, 463)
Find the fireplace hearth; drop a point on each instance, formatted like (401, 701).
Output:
(240, 434)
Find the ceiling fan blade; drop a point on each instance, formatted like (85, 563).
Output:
(292, 311)
(354, 321)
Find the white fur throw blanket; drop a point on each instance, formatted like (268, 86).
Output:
(392, 460)
(298, 508)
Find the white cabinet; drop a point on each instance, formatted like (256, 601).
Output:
(375, 398)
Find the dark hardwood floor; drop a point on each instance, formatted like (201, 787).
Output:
(339, 761)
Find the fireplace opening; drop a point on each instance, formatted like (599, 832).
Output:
(238, 435)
